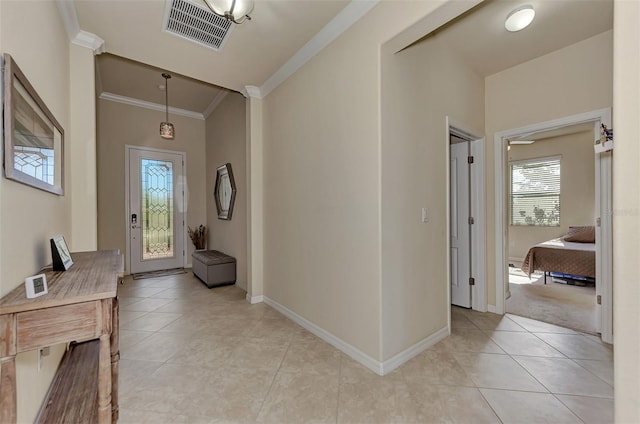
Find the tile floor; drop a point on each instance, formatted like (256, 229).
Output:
(194, 355)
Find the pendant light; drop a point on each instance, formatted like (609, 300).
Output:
(166, 128)
(236, 11)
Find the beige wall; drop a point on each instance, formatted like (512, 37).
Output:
(572, 80)
(120, 125)
(577, 188)
(226, 143)
(321, 182)
(82, 181)
(29, 217)
(626, 210)
(422, 85)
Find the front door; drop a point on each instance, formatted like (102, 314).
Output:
(156, 210)
(460, 229)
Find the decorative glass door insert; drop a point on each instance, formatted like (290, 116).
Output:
(157, 209)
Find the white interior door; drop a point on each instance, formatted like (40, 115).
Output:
(156, 210)
(460, 229)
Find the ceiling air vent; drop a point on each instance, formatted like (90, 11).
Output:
(195, 23)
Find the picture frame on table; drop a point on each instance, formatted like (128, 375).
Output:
(60, 255)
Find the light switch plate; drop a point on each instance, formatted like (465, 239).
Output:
(425, 216)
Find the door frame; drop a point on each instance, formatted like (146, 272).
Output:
(604, 254)
(478, 231)
(181, 204)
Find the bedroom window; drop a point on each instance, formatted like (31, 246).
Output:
(535, 192)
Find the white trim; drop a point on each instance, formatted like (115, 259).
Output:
(149, 105)
(69, 17)
(90, 41)
(491, 308)
(251, 91)
(605, 270)
(345, 347)
(355, 10)
(67, 11)
(255, 299)
(127, 177)
(404, 356)
(380, 368)
(215, 103)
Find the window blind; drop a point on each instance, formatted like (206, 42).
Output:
(535, 192)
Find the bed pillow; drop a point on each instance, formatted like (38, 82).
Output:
(581, 234)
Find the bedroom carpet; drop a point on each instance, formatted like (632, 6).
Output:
(560, 304)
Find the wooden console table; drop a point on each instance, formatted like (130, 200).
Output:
(81, 305)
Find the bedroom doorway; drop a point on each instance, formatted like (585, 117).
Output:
(466, 230)
(591, 303)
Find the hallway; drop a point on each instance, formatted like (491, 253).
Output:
(194, 355)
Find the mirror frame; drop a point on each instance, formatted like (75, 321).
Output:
(12, 76)
(221, 172)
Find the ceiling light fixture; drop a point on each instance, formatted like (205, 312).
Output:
(236, 11)
(166, 128)
(519, 18)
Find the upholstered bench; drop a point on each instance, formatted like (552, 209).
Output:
(214, 268)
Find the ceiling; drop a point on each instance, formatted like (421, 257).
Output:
(139, 50)
(135, 80)
(480, 38)
(253, 52)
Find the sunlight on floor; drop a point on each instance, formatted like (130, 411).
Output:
(517, 276)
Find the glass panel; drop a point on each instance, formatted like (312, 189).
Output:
(34, 138)
(157, 209)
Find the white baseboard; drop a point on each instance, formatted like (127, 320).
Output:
(491, 308)
(380, 368)
(254, 299)
(402, 357)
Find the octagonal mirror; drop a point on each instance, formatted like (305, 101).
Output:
(225, 191)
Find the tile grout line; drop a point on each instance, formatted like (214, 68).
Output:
(275, 375)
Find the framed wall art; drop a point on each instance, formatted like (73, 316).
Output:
(33, 138)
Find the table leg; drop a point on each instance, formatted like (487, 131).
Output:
(115, 359)
(8, 400)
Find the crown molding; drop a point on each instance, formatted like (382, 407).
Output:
(215, 103)
(355, 10)
(67, 11)
(252, 91)
(90, 41)
(149, 105)
(69, 18)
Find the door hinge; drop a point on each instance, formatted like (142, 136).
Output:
(471, 220)
(472, 281)
(597, 222)
(469, 159)
(599, 299)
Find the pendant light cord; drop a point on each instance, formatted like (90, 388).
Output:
(166, 94)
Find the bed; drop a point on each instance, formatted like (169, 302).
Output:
(562, 255)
